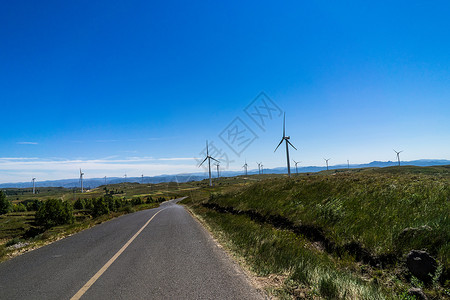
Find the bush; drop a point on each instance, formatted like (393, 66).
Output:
(79, 204)
(19, 207)
(100, 207)
(54, 212)
(5, 204)
(89, 204)
(32, 205)
(137, 201)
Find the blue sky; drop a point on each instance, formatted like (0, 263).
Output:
(137, 87)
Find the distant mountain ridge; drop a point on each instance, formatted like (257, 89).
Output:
(96, 182)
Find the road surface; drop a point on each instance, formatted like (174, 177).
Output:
(161, 253)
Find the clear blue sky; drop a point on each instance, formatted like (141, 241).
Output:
(137, 87)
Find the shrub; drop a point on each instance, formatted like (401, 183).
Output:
(79, 204)
(19, 207)
(32, 205)
(54, 212)
(137, 201)
(5, 204)
(100, 207)
(89, 204)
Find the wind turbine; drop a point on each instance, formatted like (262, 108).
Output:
(217, 166)
(296, 163)
(348, 164)
(326, 160)
(81, 180)
(142, 178)
(34, 185)
(105, 180)
(245, 167)
(286, 139)
(208, 157)
(398, 155)
(262, 169)
(259, 167)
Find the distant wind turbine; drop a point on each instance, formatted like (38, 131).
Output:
(262, 169)
(286, 139)
(105, 180)
(348, 164)
(398, 155)
(142, 178)
(296, 163)
(259, 167)
(326, 160)
(208, 157)
(217, 166)
(81, 180)
(34, 185)
(245, 167)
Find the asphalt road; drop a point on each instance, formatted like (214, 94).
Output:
(173, 257)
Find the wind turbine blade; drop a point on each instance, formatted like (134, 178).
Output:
(291, 144)
(215, 159)
(203, 162)
(284, 125)
(278, 145)
(207, 151)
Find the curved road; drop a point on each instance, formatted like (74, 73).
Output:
(170, 257)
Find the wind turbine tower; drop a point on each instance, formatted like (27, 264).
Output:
(296, 163)
(259, 167)
(81, 180)
(286, 139)
(208, 157)
(348, 164)
(34, 185)
(142, 178)
(245, 167)
(105, 180)
(262, 169)
(218, 173)
(398, 155)
(326, 160)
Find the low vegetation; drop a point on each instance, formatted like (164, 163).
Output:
(338, 234)
(34, 221)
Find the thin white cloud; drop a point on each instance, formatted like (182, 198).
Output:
(27, 143)
(20, 169)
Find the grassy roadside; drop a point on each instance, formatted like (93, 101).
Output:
(381, 211)
(14, 226)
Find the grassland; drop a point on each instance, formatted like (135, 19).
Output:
(336, 234)
(340, 234)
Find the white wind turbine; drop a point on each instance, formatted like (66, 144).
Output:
(217, 166)
(259, 167)
(245, 167)
(208, 157)
(326, 160)
(398, 155)
(34, 185)
(286, 139)
(81, 180)
(296, 163)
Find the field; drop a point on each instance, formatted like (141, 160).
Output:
(340, 234)
(337, 234)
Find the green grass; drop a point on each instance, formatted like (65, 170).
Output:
(271, 251)
(370, 208)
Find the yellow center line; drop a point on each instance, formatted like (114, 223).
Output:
(109, 263)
